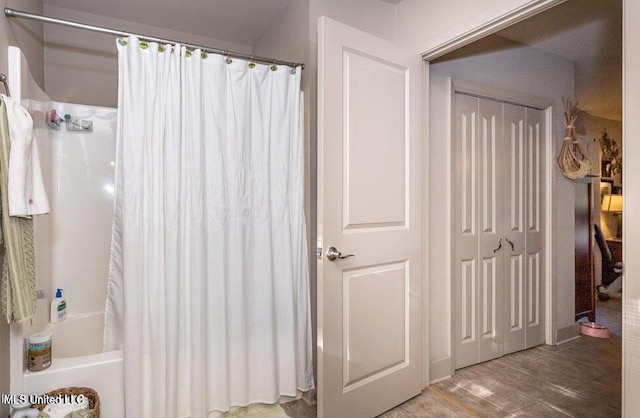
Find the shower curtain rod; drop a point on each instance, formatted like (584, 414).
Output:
(8, 12)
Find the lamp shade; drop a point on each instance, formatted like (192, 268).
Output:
(612, 203)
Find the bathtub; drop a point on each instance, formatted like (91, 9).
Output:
(78, 360)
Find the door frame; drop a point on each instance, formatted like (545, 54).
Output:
(503, 15)
(521, 99)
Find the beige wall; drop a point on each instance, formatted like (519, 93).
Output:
(27, 36)
(82, 66)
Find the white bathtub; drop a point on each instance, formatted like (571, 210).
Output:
(78, 361)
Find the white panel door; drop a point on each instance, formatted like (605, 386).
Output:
(369, 205)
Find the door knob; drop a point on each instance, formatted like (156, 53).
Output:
(333, 254)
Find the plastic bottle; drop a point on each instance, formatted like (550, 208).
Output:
(58, 308)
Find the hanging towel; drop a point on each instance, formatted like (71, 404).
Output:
(27, 195)
(18, 279)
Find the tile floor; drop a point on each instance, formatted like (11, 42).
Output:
(581, 378)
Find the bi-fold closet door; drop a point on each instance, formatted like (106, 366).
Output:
(498, 228)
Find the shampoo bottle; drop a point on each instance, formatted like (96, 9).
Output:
(58, 308)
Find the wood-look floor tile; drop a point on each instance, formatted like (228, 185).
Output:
(499, 393)
(577, 407)
(606, 394)
(539, 410)
(299, 409)
(398, 412)
(428, 404)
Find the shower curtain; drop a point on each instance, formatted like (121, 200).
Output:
(208, 283)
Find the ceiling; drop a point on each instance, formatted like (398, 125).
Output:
(590, 34)
(240, 21)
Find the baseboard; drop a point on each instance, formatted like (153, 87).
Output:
(440, 369)
(310, 397)
(568, 333)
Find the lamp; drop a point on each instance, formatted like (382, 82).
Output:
(612, 203)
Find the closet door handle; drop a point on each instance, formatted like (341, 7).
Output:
(510, 243)
(495, 250)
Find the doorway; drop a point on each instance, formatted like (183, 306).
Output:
(504, 64)
(562, 325)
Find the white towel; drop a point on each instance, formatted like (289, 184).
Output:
(27, 195)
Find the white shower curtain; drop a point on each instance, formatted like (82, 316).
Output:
(208, 285)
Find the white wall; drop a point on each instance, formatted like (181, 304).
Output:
(495, 62)
(82, 66)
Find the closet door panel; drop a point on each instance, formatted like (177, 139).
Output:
(514, 226)
(491, 165)
(466, 217)
(535, 226)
